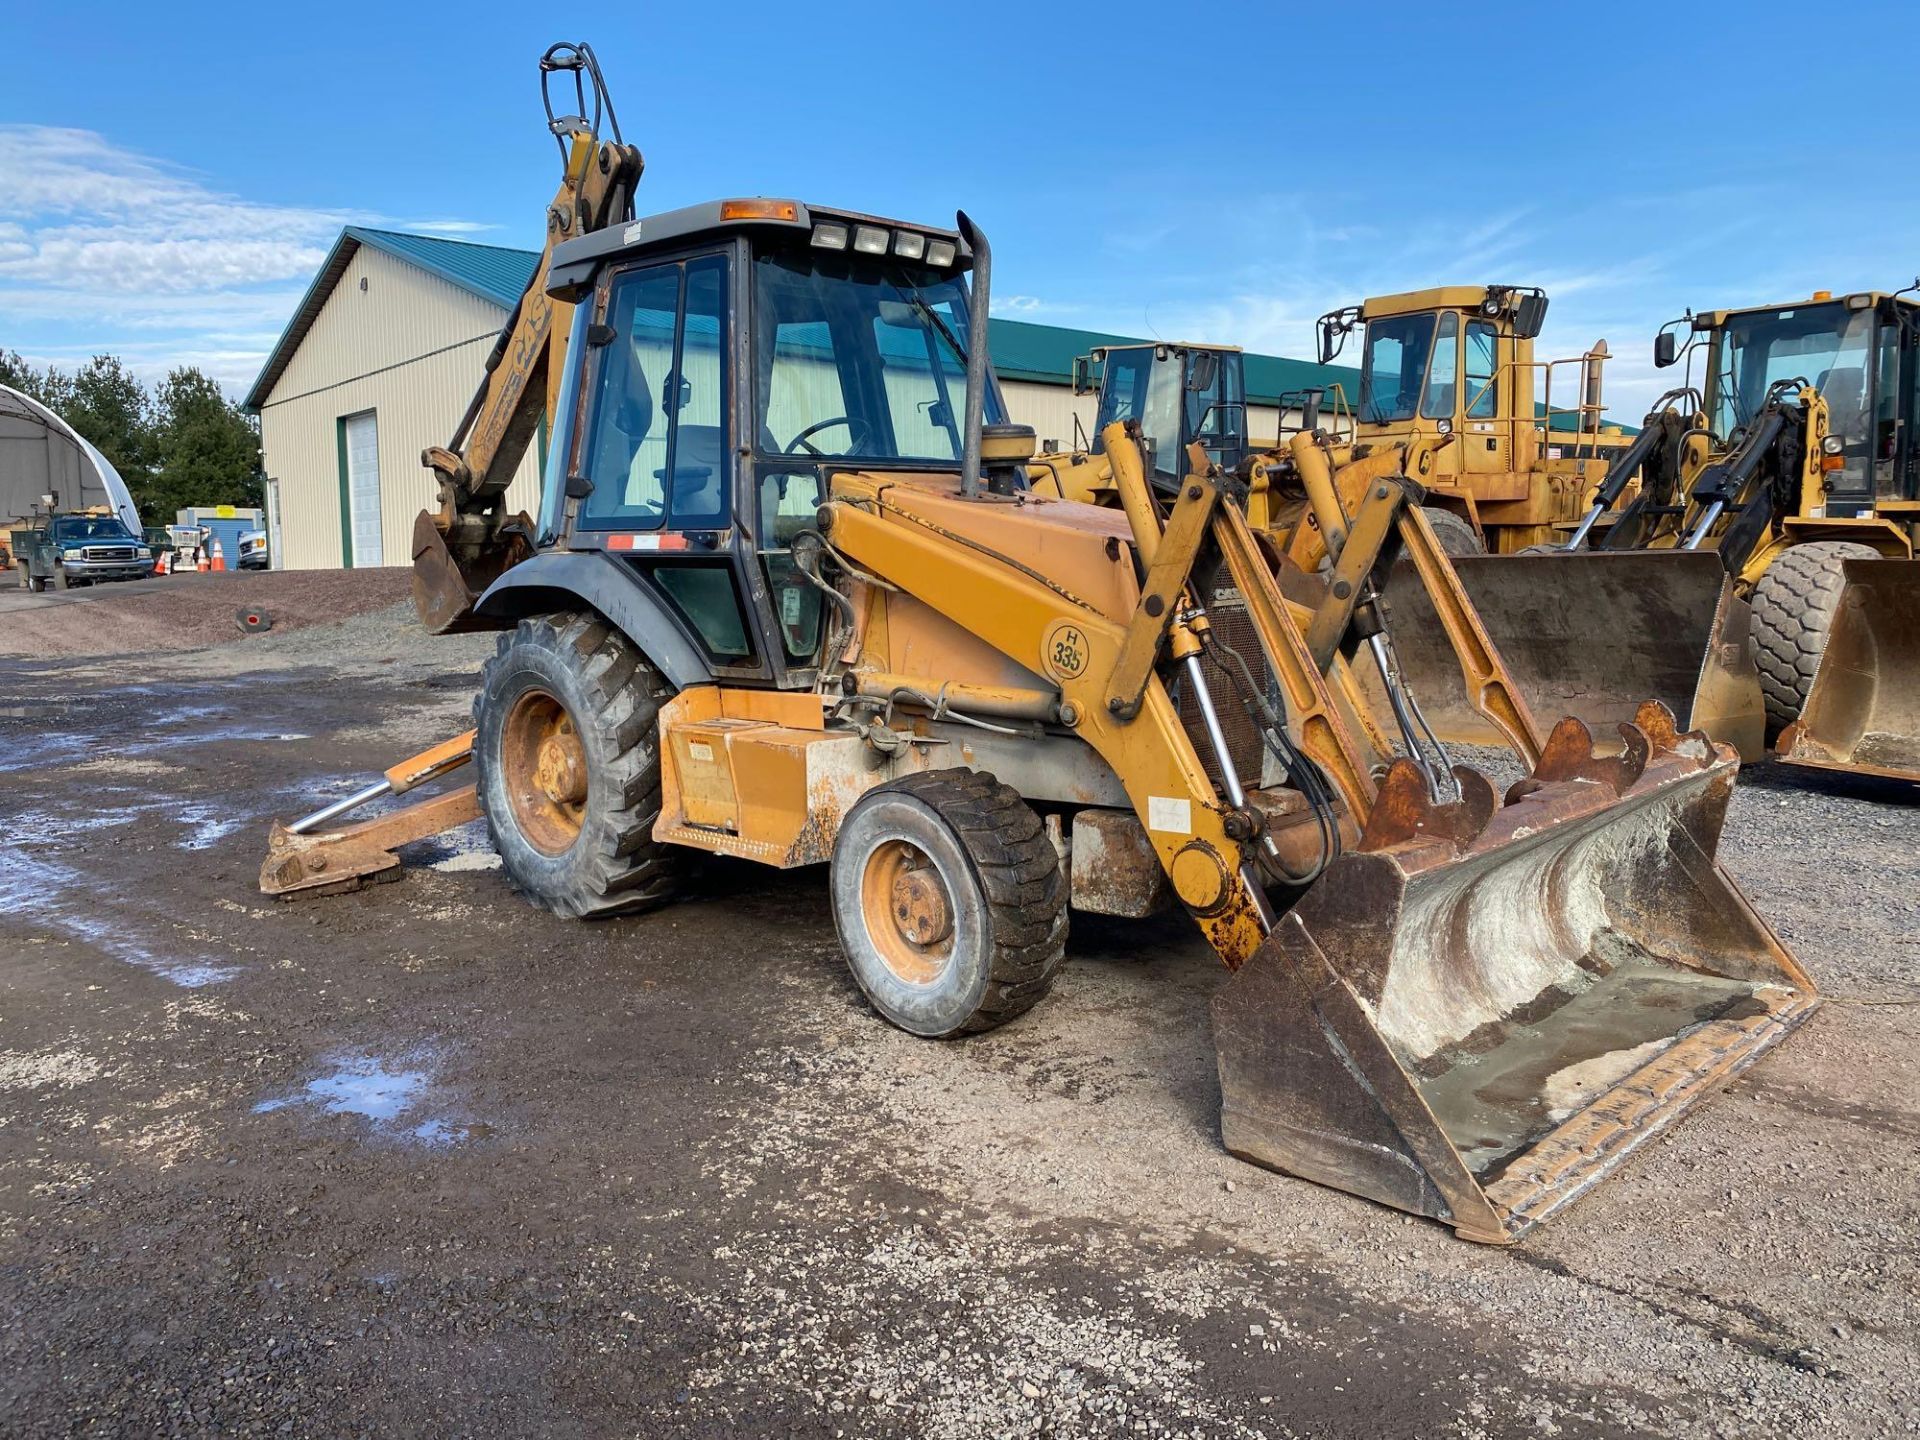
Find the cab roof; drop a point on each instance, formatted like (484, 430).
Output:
(1439, 297)
(575, 261)
(1857, 300)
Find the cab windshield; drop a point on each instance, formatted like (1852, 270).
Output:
(1394, 370)
(1136, 385)
(1825, 345)
(88, 527)
(856, 361)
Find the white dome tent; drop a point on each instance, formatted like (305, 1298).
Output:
(41, 455)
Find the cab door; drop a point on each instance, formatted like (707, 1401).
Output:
(652, 470)
(1485, 434)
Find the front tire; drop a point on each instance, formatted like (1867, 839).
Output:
(950, 902)
(1457, 538)
(1794, 603)
(568, 758)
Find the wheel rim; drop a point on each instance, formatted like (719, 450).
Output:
(908, 911)
(544, 767)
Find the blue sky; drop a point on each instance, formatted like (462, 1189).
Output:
(170, 177)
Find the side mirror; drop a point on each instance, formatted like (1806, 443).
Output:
(1086, 380)
(1529, 315)
(1666, 349)
(1329, 340)
(1203, 369)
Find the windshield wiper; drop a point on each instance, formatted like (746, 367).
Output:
(919, 301)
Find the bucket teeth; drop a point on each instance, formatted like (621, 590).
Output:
(1569, 754)
(1404, 810)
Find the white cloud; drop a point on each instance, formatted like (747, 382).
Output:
(104, 249)
(448, 227)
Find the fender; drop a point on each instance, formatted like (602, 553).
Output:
(565, 580)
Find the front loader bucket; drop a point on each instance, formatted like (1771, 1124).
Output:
(1863, 710)
(1591, 635)
(1482, 1011)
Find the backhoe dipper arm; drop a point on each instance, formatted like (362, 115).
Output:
(466, 541)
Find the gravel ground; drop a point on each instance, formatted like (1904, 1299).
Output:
(424, 1158)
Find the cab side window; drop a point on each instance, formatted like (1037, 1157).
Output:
(1483, 389)
(657, 451)
(1442, 386)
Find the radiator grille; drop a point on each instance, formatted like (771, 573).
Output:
(106, 552)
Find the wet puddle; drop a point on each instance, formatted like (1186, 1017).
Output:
(52, 894)
(396, 1097)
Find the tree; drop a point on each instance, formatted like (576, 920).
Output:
(204, 450)
(110, 409)
(49, 386)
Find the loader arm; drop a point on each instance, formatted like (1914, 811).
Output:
(468, 539)
(1079, 649)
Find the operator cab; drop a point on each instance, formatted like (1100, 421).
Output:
(1860, 352)
(1443, 361)
(1179, 394)
(725, 360)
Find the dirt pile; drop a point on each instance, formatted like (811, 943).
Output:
(189, 612)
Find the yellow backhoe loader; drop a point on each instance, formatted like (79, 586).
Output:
(792, 597)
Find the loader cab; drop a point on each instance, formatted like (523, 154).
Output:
(1179, 394)
(725, 360)
(1861, 353)
(1454, 360)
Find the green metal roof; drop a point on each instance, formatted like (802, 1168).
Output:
(1022, 350)
(493, 272)
(1045, 353)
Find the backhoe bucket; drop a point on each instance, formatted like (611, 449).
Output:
(1863, 711)
(448, 583)
(1591, 635)
(1484, 1009)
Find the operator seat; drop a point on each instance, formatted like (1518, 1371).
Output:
(698, 465)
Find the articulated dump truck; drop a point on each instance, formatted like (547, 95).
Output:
(798, 593)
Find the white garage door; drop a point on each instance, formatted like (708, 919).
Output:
(363, 489)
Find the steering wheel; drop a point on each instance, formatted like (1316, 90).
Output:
(858, 430)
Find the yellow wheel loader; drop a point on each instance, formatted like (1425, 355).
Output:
(793, 595)
(1529, 451)
(1753, 545)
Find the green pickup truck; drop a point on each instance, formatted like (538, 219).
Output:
(68, 550)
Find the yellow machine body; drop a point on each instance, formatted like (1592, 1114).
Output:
(1474, 1014)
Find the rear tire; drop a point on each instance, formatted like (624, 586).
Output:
(950, 902)
(567, 752)
(1793, 609)
(1457, 538)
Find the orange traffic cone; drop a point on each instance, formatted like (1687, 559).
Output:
(200, 562)
(219, 556)
(160, 562)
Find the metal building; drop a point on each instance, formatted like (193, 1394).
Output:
(386, 348)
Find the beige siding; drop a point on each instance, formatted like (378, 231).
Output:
(410, 347)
